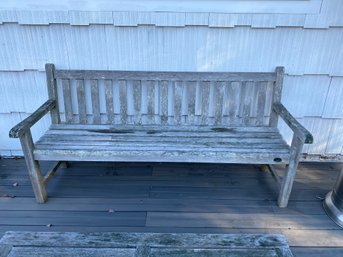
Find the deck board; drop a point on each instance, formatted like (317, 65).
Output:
(155, 197)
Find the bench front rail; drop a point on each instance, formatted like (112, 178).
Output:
(196, 117)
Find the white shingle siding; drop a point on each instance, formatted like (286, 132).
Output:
(8, 16)
(334, 100)
(22, 91)
(301, 51)
(308, 45)
(335, 141)
(304, 96)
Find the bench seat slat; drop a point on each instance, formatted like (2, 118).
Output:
(147, 138)
(160, 156)
(167, 134)
(178, 145)
(162, 128)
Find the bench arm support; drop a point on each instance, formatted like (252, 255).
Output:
(302, 133)
(25, 125)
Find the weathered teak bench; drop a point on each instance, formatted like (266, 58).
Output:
(135, 116)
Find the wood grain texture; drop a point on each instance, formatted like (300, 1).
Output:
(287, 181)
(297, 128)
(81, 101)
(95, 101)
(280, 71)
(33, 167)
(48, 176)
(27, 123)
(67, 101)
(147, 244)
(109, 101)
(167, 76)
(52, 91)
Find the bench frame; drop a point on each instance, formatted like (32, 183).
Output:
(22, 131)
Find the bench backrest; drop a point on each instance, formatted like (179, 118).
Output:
(167, 98)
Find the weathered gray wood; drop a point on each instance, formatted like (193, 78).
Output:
(5, 249)
(51, 172)
(300, 131)
(163, 102)
(176, 103)
(261, 103)
(184, 103)
(158, 128)
(130, 102)
(272, 170)
(211, 103)
(218, 105)
(171, 102)
(117, 102)
(109, 101)
(233, 100)
(63, 251)
(288, 180)
(144, 102)
(81, 101)
(156, 240)
(27, 123)
(267, 140)
(162, 156)
(167, 76)
(245, 103)
(198, 103)
(163, 145)
(52, 91)
(95, 101)
(157, 103)
(167, 146)
(33, 167)
(280, 71)
(67, 101)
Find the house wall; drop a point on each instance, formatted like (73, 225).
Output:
(307, 44)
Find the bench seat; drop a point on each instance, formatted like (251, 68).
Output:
(205, 144)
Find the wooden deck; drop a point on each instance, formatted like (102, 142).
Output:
(174, 198)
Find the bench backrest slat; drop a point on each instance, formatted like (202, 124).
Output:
(167, 98)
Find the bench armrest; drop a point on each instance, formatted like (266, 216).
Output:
(297, 128)
(27, 123)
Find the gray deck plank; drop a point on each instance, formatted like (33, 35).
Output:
(74, 218)
(318, 252)
(246, 220)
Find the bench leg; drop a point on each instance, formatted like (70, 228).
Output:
(287, 181)
(65, 165)
(33, 168)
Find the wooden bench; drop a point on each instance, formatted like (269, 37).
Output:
(136, 116)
